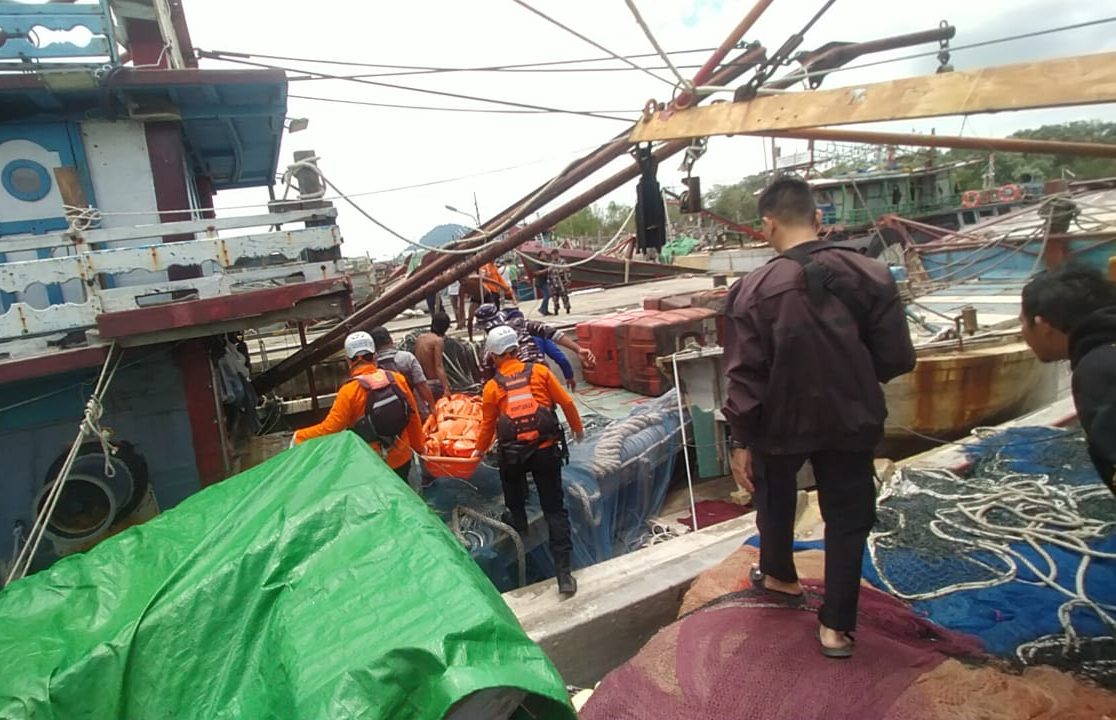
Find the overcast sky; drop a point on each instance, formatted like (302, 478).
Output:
(367, 148)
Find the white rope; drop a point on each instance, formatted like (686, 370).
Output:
(607, 247)
(682, 425)
(326, 182)
(82, 218)
(517, 540)
(686, 85)
(90, 427)
(1047, 513)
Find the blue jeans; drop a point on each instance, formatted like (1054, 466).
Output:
(544, 287)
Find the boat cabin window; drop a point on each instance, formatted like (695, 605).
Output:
(990, 212)
(968, 217)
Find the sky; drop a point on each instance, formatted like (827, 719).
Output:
(502, 157)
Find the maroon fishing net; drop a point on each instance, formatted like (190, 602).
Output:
(747, 654)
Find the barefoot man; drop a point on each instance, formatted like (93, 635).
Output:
(429, 349)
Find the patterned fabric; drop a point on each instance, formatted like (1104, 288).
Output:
(558, 277)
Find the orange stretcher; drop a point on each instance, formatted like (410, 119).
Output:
(451, 437)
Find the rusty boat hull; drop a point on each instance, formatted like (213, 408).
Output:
(952, 391)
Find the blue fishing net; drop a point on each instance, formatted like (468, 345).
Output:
(1019, 550)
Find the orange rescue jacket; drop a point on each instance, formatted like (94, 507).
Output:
(349, 408)
(545, 387)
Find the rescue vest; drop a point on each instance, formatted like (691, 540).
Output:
(523, 420)
(386, 410)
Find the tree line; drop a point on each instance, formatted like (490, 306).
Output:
(737, 201)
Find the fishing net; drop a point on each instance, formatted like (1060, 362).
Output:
(745, 654)
(458, 357)
(1019, 550)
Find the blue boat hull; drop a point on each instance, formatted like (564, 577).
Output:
(1008, 260)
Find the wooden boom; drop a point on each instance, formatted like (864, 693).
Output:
(1081, 80)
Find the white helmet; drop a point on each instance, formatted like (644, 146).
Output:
(359, 343)
(500, 339)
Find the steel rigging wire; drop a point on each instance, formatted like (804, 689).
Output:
(683, 82)
(442, 93)
(508, 111)
(602, 48)
(547, 66)
(313, 75)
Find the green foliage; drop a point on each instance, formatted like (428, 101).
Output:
(594, 221)
(1015, 167)
(736, 202)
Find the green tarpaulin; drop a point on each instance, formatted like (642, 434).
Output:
(316, 585)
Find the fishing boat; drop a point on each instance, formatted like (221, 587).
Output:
(589, 269)
(114, 266)
(1078, 227)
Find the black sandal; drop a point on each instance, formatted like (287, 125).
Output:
(838, 653)
(758, 578)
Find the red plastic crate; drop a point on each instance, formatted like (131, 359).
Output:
(658, 335)
(600, 336)
(716, 301)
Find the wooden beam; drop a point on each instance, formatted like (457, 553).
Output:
(1019, 145)
(1081, 80)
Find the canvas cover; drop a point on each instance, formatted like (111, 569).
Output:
(316, 585)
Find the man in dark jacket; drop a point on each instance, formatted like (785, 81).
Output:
(1070, 314)
(809, 337)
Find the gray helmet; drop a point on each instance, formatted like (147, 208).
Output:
(488, 317)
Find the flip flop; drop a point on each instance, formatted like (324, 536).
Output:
(758, 578)
(838, 653)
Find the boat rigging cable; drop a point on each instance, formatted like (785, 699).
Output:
(781, 57)
(548, 66)
(90, 427)
(683, 82)
(367, 193)
(309, 164)
(602, 48)
(442, 93)
(607, 246)
(799, 75)
(500, 111)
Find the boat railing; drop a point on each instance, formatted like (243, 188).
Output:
(62, 281)
(864, 216)
(24, 41)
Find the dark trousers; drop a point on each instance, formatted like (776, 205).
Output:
(545, 467)
(542, 289)
(559, 293)
(847, 496)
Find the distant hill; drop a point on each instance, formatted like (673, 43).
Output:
(443, 234)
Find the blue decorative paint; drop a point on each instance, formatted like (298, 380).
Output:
(38, 193)
(64, 139)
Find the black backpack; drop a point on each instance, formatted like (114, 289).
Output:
(386, 410)
(387, 361)
(820, 281)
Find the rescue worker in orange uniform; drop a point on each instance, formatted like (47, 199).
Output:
(391, 419)
(518, 410)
